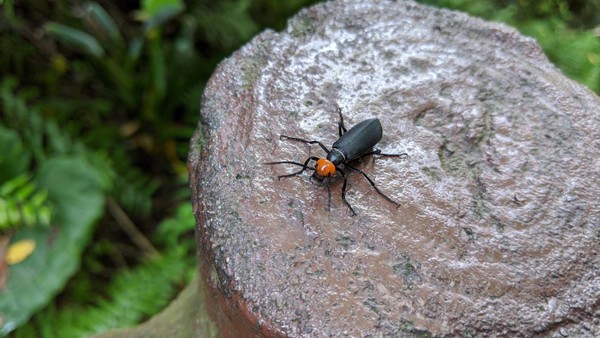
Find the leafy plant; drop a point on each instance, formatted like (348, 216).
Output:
(65, 184)
(132, 295)
(105, 108)
(14, 159)
(76, 192)
(150, 76)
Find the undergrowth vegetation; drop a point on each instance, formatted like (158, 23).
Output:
(98, 101)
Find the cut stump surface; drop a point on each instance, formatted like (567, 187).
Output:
(498, 231)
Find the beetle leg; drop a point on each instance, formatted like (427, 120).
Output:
(284, 137)
(379, 153)
(284, 162)
(344, 192)
(304, 166)
(373, 185)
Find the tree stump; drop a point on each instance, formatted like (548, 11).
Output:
(498, 229)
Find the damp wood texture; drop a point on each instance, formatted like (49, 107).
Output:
(498, 229)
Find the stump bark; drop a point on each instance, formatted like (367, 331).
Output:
(498, 230)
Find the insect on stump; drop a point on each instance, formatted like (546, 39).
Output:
(353, 145)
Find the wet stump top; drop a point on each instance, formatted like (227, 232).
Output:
(498, 228)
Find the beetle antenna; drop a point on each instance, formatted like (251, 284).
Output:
(304, 166)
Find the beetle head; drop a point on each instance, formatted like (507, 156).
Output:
(323, 169)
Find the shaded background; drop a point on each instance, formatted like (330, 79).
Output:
(98, 101)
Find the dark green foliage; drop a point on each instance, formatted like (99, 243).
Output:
(131, 298)
(126, 305)
(29, 139)
(132, 295)
(75, 190)
(15, 160)
(47, 179)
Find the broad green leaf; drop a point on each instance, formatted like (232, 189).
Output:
(84, 41)
(135, 49)
(75, 189)
(156, 12)
(159, 75)
(153, 8)
(104, 22)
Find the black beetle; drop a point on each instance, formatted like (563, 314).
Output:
(353, 144)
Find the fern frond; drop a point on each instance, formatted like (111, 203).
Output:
(132, 188)
(133, 296)
(22, 203)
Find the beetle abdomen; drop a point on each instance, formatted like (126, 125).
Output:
(359, 139)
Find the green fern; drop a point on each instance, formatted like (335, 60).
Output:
(23, 204)
(34, 137)
(132, 296)
(132, 188)
(43, 138)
